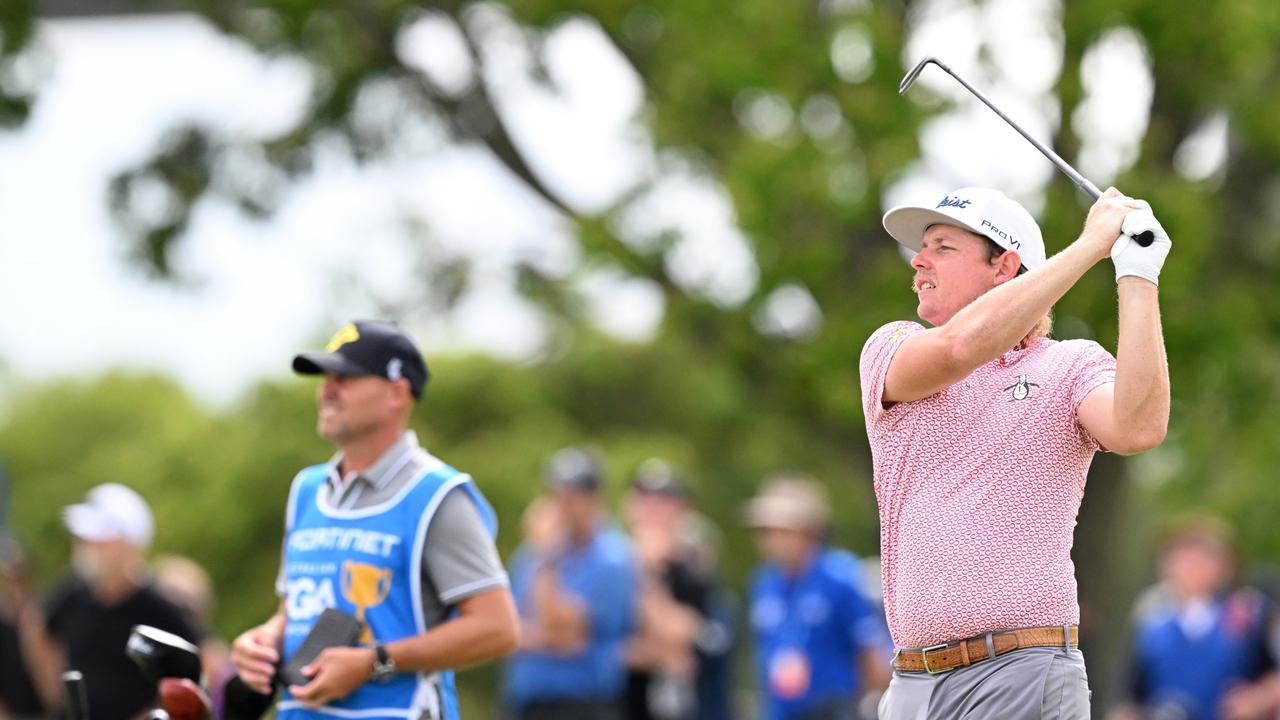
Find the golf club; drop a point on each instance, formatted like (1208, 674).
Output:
(161, 654)
(77, 701)
(174, 665)
(1144, 238)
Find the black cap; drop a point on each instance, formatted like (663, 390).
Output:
(574, 469)
(657, 476)
(368, 347)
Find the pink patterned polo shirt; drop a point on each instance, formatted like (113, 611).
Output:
(978, 488)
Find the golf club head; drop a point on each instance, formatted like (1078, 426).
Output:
(914, 73)
(182, 699)
(161, 654)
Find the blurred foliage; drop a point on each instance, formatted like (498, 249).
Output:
(712, 392)
(218, 480)
(16, 25)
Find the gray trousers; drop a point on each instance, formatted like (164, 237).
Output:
(1027, 684)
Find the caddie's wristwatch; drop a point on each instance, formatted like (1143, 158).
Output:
(383, 667)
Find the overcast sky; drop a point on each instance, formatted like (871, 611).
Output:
(263, 291)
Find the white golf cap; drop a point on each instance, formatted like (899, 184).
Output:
(987, 212)
(111, 511)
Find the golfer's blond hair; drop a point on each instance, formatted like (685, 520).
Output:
(1044, 325)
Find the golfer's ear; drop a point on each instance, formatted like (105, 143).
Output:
(1007, 265)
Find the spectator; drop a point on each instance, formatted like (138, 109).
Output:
(680, 630)
(87, 623)
(574, 580)
(700, 546)
(1200, 646)
(820, 644)
(18, 696)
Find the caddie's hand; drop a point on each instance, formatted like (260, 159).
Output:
(1130, 258)
(335, 673)
(1102, 226)
(255, 654)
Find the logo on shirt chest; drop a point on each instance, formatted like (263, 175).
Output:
(1020, 389)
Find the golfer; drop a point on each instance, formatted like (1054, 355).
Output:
(982, 430)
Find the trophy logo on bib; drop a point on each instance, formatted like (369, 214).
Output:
(364, 586)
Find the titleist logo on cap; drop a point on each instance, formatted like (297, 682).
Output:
(956, 202)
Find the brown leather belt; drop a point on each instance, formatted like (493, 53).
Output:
(963, 653)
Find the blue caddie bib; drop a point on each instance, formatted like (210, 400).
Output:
(366, 562)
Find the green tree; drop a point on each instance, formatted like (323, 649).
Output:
(716, 389)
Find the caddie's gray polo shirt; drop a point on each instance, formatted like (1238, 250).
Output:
(459, 559)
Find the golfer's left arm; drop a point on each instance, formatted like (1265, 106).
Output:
(1132, 415)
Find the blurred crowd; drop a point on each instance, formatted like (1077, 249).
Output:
(84, 622)
(1203, 645)
(625, 616)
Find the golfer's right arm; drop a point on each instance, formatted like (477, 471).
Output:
(257, 651)
(935, 359)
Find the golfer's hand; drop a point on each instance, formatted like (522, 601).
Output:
(1102, 226)
(1130, 258)
(255, 654)
(335, 673)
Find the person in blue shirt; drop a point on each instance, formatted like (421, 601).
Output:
(820, 644)
(1200, 648)
(575, 584)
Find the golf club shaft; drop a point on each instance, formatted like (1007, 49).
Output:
(77, 701)
(1144, 239)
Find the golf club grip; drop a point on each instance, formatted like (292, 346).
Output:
(77, 701)
(1144, 238)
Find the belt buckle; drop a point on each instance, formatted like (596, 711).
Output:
(924, 657)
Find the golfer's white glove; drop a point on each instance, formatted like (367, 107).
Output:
(1129, 257)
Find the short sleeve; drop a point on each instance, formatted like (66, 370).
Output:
(459, 557)
(1093, 368)
(873, 366)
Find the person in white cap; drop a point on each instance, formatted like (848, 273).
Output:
(86, 624)
(982, 430)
